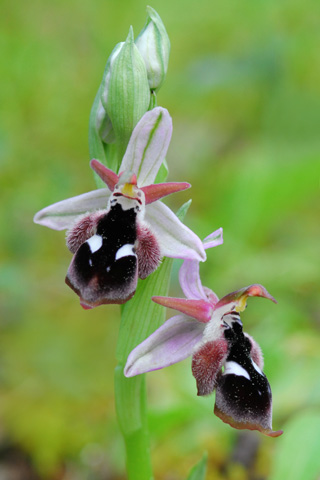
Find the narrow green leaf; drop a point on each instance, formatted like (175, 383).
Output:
(198, 472)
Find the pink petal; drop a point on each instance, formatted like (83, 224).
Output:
(198, 309)
(62, 215)
(159, 190)
(107, 176)
(172, 342)
(148, 145)
(175, 239)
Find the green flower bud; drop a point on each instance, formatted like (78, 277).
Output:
(154, 45)
(125, 90)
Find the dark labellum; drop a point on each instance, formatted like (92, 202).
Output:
(104, 269)
(243, 393)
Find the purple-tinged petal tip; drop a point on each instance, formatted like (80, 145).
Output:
(214, 239)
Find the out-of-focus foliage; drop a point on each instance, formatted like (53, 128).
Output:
(243, 88)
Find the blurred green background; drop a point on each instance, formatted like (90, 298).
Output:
(243, 88)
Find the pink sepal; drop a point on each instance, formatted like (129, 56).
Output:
(172, 342)
(159, 190)
(198, 309)
(107, 176)
(64, 214)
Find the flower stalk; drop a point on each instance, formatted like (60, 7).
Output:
(130, 393)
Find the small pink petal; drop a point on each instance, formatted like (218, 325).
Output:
(159, 190)
(107, 176)
(198, 309)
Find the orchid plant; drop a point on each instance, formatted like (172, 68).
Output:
(122, 233)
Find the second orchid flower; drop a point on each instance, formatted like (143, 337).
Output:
(224, 358)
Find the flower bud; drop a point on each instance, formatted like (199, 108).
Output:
(154, 45)
(125, 90)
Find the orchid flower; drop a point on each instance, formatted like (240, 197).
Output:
(224, 358)
(121, 232)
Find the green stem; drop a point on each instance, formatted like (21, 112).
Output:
(131, 407)
(140, 317)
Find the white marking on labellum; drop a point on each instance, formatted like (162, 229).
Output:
(95, 242)
(125, 251)
(256, 367)
(235, 369)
